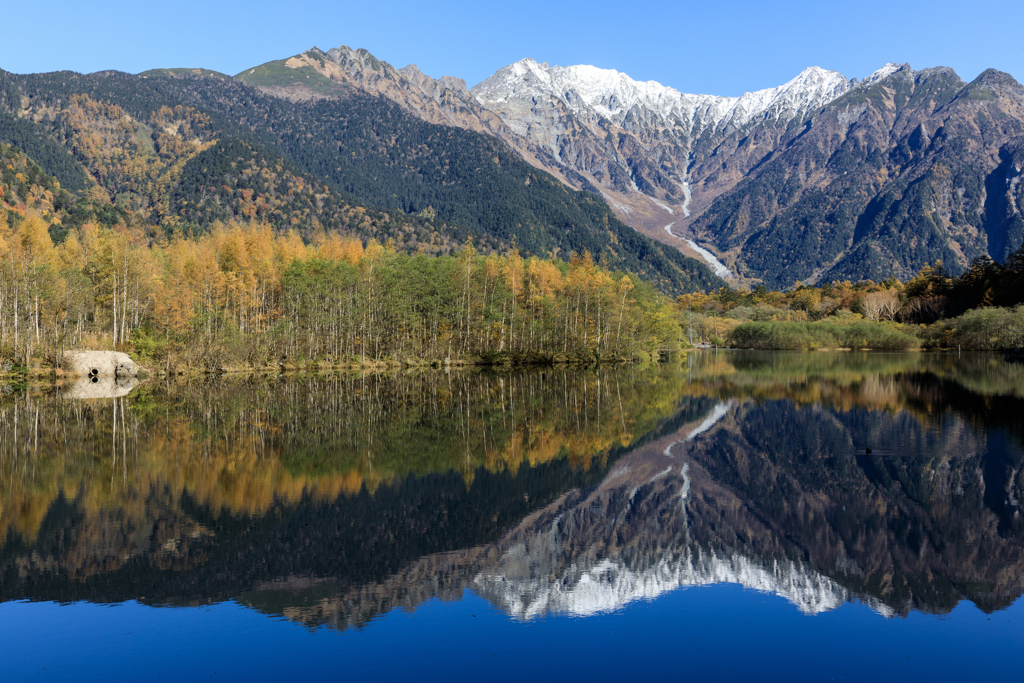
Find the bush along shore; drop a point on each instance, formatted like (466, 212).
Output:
(980, 310)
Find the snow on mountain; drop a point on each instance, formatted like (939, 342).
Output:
(552, 572)
(597, 555)
(648, 148)
(886, 71)
(612, 95)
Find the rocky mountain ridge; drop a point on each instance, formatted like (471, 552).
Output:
(904, 170)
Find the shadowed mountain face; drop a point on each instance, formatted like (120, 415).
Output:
(911, 168)
(892, 480)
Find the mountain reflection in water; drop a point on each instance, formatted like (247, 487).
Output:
(889, 479)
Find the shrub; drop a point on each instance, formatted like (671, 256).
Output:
(982, 329)
(802, 336)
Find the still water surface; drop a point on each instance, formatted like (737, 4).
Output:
(764, 516)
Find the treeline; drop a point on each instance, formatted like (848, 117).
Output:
(245, 295)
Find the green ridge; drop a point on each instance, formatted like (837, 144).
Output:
(278, 74)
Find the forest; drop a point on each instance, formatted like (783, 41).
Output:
(247, 296)
(253, 296)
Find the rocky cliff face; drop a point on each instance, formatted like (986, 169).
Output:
(658, 156)
(629, 136)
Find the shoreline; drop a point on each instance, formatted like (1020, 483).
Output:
(58, 377)
(37, 374)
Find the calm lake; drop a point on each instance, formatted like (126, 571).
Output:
(722, 516)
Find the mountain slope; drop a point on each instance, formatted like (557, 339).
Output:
(633, 143)
(643, 144)
(819, 178)
(897, 173)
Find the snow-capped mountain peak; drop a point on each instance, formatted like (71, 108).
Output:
(611, 94)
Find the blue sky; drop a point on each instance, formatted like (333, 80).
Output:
(722, 48)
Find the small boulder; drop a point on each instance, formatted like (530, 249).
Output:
(100, 364)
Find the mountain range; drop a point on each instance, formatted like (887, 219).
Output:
(821, 178)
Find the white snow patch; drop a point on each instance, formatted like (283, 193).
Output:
(685, 492)
(686, 198)
(608, 584)
(887, 70)
(611, 95)
(720, 269)
(717, 414)
(659, 475)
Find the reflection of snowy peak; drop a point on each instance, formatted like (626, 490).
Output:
(607, 585)
(699, 504)
(612, 95)
(636, 538)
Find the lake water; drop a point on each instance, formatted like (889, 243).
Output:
(722, 516)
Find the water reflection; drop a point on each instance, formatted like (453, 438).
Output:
(90, 387)
(890, 479)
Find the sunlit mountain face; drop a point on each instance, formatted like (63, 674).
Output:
(888, 480)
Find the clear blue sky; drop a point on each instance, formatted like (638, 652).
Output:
(722, 48)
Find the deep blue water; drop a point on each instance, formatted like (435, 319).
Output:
(722, 632)
(790, 517)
